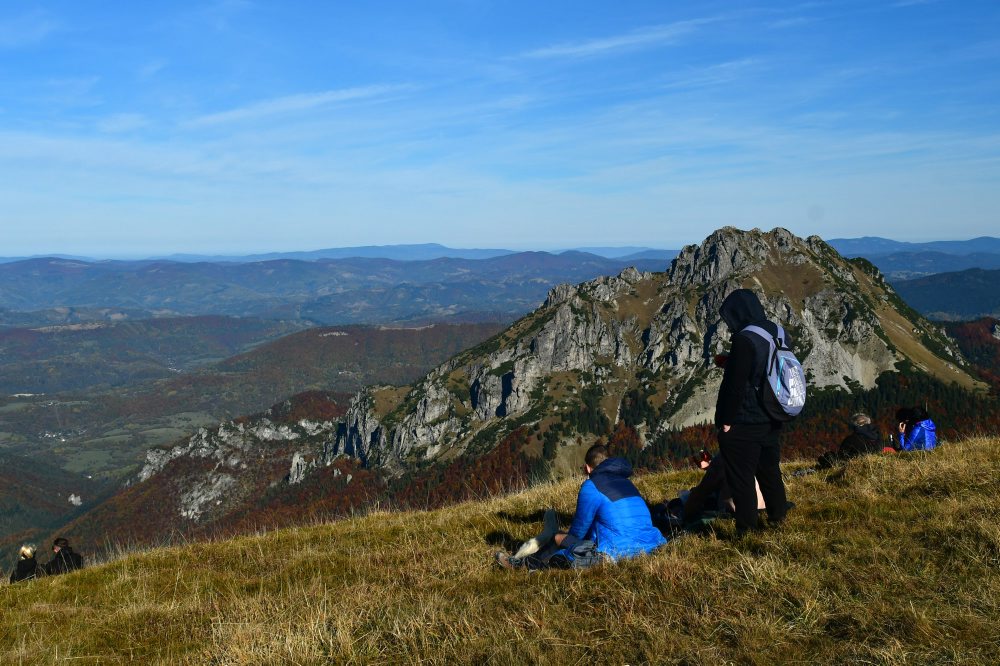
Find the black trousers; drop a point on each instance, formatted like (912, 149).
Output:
(713, 483)
(546, 557)
(750, 451)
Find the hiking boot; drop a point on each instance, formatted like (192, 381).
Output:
(550, 525)
(505, 561)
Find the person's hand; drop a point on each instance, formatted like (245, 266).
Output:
(902, 427)
(726, 428)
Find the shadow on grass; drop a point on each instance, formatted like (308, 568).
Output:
(534, 517)
(502, 540)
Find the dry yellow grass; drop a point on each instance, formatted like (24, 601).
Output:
(893, 560)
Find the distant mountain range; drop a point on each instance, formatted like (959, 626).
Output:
(413, 252)
(416, 252)
(907, 265)
(326, 291)
(872, 246)
(900, 260)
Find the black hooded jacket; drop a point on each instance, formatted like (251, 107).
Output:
(63, 562)
(864, 439)
(739, 399)
(26, 569)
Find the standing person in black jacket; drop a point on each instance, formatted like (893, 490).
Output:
(63, 559)
(27, 566)
(748, 437)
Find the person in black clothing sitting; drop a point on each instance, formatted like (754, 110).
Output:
(864, 438)
(63, 559)
(748, 436)
(27, 566)
(713, 492)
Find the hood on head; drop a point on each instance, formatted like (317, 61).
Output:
(740, 309)
(615, 466)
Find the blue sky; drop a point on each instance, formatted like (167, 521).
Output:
(237, 126)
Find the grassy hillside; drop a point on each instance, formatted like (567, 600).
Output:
(36, 495)
(891, 560)
(95, 355)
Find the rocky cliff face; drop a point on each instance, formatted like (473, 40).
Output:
(655, 333)
(217, 470)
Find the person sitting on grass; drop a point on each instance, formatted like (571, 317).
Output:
(916, 430)
(27, 566)
(713, 491)
(710, 499)
(611, 522)
(64, 559)
(864, 438)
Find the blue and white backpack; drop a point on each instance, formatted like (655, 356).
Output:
(784, 376)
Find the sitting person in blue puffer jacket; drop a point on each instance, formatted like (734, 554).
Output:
(916, 430)
(612, 521)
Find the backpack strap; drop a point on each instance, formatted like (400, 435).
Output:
(773, 345)
(780, 340)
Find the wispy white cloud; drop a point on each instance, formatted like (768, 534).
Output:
(27, 29)
(66, 93)
(647, 37)
(152, 68)
(793, 22)
(220, 13)
(987, 50)
(295, 103)
(711, 75)
(122, 122)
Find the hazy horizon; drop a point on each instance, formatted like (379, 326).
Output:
(512, 248)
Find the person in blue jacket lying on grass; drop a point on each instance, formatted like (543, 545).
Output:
(612, 521)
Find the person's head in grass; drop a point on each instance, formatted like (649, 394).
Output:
(27, 551)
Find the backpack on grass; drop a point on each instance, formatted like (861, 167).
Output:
(786, 381)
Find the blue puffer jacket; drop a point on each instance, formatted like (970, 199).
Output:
(922, 437)
(611, 512)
